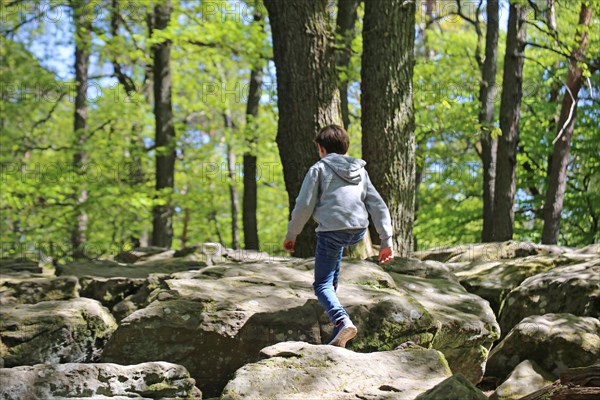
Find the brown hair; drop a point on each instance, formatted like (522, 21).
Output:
(334, 139)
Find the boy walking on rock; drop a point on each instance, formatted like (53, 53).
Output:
(338, 194)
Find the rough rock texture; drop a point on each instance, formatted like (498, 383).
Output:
(554, 341)
(297, 370)
(493, 280)
(573, 289)
(526, 378)
(112, 269)
(488, 251)
(14, 290)
(467, 324)
(54, 332)
(152, 380)
(19, 264)
(574, 384)
(227, 313)
(457, 387)
(109, 291)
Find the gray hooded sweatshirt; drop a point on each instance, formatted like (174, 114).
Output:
(338, 193)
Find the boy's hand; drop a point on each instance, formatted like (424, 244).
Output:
(386, 254)
(288, 245)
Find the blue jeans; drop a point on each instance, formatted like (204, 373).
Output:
(330, 247)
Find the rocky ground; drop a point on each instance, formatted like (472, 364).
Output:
(500, 321)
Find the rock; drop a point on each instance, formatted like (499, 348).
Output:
(139, 299)
(554, 341)
(34, 290)
(574, 384)
(467, 324)
(526, 378)
(493, 280)
(573, 289)
(422, 269)
(140, 254)
(109, 291)
(54, 332)
(217, 319)
(19, 264)
(457, 387)
(151, 380)
(297, 370)
(487, 252)
(112, 269)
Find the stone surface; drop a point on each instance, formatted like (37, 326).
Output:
(15, 290)
(152, 380)
(297, 370)
(467, 324)
(573, 289)
(457, 387)
(526, 378)
(112, 269)
(109, 291)
(54, 332)
(554, 341)
(19, 264)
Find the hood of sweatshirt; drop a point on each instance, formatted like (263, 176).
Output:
(346, 167)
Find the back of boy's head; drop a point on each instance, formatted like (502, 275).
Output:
(334, 139)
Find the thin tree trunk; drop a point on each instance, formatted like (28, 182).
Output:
(80, 158)
(162, 232)
(388, 127)
(510, 106)
(184, 228)
(307, 93)
(232, 178)
(345, 24)
(487, 94)
(250, 190)
(557, 178)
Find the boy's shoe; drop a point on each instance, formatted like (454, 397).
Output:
(343, 331)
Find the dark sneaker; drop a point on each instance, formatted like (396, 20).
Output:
(343, 331)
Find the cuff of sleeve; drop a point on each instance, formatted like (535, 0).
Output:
(387, 242)
(290, 236)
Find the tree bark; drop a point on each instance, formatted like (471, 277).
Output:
(307, 93)
(510, 106)
(234, 197)
(162, 232)
(487, 94)
(250, 190)
(80, 158)
(344, 32)
(388, 127)
(557, 178)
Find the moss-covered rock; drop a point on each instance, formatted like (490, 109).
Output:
(152, 380)
(554, 341)
(526, 378)
(457, 387)
(297, 370)
(16, 290)
(109, 291)
(54, 332)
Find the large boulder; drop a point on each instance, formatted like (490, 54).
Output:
(457, 387)
(112, 269)
(10, 265)
(467, 324)
(109, 291)
(493, 280)
(217, 319)
(526, 378)
(14, 290)
(573, 289)
(54, 332)
(151, 380)
(297, 370)
(554, 341)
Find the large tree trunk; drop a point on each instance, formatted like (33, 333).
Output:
(162, 224)
(307, 94)
(234, 197)
(80, 158)
(388, 141)
(557, 178)
(487, 93)
(250, 190)
(344, 32)
(510, 106)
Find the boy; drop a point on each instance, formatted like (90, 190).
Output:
(338, 193)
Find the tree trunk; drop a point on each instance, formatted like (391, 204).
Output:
(388, 127)
(510, 106)
(232, 178)
(307, 94)
(80, 158)
(162, 232)
(344, 32)
(557, 178)
(487, 94)
(250, 189)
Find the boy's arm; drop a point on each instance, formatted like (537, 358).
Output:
(305, 204)
(379, 213)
